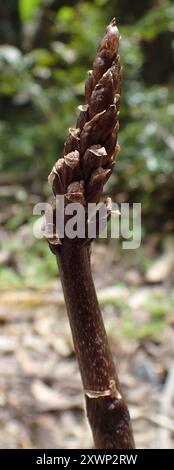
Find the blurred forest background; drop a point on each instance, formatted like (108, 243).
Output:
(46, 48)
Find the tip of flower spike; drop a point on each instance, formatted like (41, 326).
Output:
(112, 27)
(113, 22)
(110, 42)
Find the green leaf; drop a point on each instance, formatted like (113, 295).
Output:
(27, 9)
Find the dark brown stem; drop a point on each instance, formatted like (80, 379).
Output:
(106, 409)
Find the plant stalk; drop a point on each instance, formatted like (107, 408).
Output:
(106, 408)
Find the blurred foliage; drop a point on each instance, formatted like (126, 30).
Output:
(46, 48)
(150, 322)
(28, 8)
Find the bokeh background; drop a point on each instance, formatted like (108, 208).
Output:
(46, 48)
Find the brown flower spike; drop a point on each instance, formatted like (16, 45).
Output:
(88, 161)
(91, 148)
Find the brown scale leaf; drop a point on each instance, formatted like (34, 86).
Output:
(103, 94)
(72, 159)
(96, 183)
(112, 147)
(91, 132)
(116, 74)
(75, 192)
(93, 158)
(56, 177)
(55, 181)
(89, 86)
(83, 116)
(73, 141)
(98, 128)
